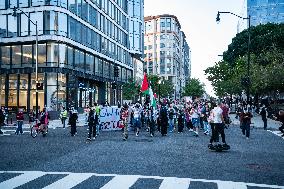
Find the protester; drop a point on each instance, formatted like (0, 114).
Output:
(246, 121)
(72, 121)
(92, 125)
(195, 119)
(2, 119)
(281, 119)
(180, 121)
(63, 116)
(163, 120)
(152, 121)
(125, 118)
(20, 120)
(263, 114)
(137, 118)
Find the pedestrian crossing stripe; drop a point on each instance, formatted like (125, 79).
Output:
(118, 181)
(278, 133)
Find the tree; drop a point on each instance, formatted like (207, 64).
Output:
(263, 38)
(130, 90)
(194, 88)
(166, 86)
(267, 62)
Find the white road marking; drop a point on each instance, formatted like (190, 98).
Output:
(278, 133)
(21, 179)
(123, 181)
(176, 183)
(69, 181)
(231, 185)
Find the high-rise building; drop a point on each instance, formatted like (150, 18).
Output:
(86, 51)
(264, 11)
(166, 52)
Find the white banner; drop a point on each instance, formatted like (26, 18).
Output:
(109, 118)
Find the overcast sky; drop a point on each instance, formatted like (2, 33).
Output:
(206, 38)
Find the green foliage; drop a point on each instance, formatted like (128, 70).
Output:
(130, 90)
(266, 63)
(194, 88)
(263, 38)
(166, 86)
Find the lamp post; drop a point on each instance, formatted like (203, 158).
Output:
(36, 52)
(247, 80)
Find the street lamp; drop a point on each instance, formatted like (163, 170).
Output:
(14, 14)
(247, 80)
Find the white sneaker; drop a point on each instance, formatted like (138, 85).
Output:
(190, 130)
(94, 138)
(137, 134)
(151, 135)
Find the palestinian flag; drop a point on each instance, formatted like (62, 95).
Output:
(145, 85)
(152, 98)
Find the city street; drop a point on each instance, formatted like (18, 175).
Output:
(176, 161)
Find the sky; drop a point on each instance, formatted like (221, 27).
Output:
(206, 38)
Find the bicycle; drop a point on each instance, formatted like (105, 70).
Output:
(38, 128)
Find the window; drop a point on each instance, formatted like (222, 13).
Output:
(24, 25)
(84, 10)
(2, 6)
(52, 54)
(62, 55)
(162, 45)
(41, 53)
(72, 28)
(16, 55)
(37, 2)
(27, 55)
(63, 3)
(89, 63)
(36, 17)
(73, 6)
(12, 26)
(5, 58)
(62, 24)
(70, 57)
(51, 22)
(150, 47)
(3, 25)
(24, 3)
(13, 3)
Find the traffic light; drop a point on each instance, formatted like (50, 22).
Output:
(116, 71)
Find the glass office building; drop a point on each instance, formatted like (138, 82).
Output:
(264, 11)
(81, 43)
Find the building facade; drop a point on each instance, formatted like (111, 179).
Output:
(264, 11)
(166, 52)
(81, 43)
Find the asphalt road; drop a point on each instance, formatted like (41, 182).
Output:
(141, 162)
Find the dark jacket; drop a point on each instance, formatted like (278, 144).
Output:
(246, 118)
(91, 120)
(73, 119)
(20, 116)
(263, 114)
(2, 117)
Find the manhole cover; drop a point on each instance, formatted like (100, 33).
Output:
(260, 167)
(144, 140)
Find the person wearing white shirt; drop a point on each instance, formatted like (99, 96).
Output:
(217, 123)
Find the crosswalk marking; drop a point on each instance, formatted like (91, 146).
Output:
(123, 181)
(69, 181)
(177, 183)
(231, 185)
(119, 181)
(278, 133)
(21, 179)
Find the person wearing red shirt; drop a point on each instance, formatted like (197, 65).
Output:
(20, 120)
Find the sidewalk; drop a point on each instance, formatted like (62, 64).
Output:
(258, 123)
